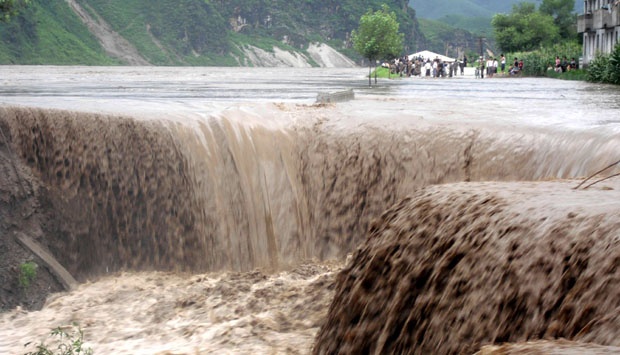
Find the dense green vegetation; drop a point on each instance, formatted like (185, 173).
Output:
(463, 22)
(168, 33)
(524, 29)
(573, 74)
(605, 68)
(564, 16)
(538, 62)
(49, 33)
(191, 32)
(538, 36)
(468, 8)
(27, 274)
(527, 28)
(378, 37)
(10, 8)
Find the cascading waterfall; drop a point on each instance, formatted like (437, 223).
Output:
(240, 190)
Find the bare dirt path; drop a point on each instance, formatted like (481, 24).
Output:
(112, 42)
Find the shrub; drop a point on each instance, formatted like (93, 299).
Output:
(597, 70)
(69, 344)
(614, 66)
(573, 74)
(27, 274)
(605, 68)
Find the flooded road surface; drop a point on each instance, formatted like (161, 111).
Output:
(138, 89)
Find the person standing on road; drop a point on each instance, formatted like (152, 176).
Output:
(503, 63)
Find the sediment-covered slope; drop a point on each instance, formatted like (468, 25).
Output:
(458, 266)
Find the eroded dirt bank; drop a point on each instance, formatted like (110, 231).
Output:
(455, 267)
(23, 208)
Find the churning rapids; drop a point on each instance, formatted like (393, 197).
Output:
(210, 210)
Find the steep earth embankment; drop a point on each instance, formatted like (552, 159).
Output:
(319, 53)
(328, 57)
(23, 208)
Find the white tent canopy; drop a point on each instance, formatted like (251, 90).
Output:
(431, 55)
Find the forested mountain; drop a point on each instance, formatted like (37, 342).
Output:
(188, 32)
(468, 8)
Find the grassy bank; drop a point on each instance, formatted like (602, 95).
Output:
(577, 74)
(384, 73)
(49, 33)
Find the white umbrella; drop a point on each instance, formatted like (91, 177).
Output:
(431, 55)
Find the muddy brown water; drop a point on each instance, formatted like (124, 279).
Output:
(458, 266)
(163, 190)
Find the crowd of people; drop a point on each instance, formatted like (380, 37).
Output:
(436, 68)
(492, 66)
(426, 67)
(563, 65)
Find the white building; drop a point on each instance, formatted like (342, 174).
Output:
(600, 25)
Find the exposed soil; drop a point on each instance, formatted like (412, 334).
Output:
(21, 203)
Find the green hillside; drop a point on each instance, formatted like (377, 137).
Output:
(49, 33)
(189, 32)
(467, 8)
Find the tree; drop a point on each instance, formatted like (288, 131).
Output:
(524, 29)
(377, 37)
(9, 8)
(563, 16)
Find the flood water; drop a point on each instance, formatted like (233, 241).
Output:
(254, 195)
(138, 89)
